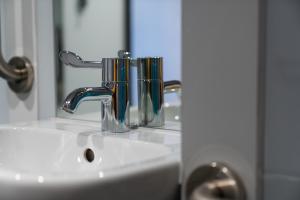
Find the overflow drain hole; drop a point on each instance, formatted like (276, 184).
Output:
(89, 155)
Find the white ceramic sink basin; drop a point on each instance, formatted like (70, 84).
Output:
(48, 153)
(59, 158)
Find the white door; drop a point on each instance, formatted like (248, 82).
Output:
(241, 97)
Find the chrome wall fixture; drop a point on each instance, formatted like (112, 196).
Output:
(18, 72)
(114, 93)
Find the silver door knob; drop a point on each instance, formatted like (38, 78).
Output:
(215, 181)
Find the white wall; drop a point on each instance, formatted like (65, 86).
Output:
(220, 87)
(282, 150)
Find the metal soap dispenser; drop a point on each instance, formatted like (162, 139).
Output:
(151, 90)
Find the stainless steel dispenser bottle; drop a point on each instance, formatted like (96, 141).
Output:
(151, 89)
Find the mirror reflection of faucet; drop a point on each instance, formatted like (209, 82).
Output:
(114, 92)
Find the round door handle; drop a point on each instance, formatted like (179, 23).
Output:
(214, 181)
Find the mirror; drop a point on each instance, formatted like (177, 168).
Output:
(99, 28)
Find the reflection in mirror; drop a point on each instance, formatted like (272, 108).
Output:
(93, 29)
(158, 34)
(96, 29)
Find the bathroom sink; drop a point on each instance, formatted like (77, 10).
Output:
(68, 159)
(59, 154)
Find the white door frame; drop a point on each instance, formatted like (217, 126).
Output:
(222, 84)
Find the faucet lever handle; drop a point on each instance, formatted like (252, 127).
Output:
(71, 58)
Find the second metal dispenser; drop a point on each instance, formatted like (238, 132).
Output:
(151, 90)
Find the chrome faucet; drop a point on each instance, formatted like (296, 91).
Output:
(113, 94)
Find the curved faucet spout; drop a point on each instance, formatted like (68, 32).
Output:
(86, 94)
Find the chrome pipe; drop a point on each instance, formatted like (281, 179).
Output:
(10, 73)
(18, 73)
